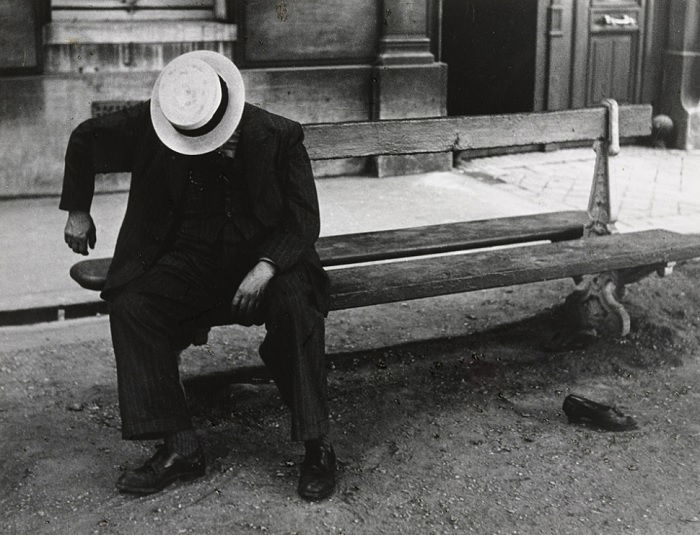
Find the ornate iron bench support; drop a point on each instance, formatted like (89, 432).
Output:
(596, 300)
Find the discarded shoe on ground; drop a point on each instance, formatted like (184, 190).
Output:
(580, 410)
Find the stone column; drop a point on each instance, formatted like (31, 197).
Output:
(407, 81)
(680, 97)
(404, 39)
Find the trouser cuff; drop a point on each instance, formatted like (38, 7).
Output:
(153, 429)
(310, 432)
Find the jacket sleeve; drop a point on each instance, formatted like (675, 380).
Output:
(299, 226)
(99, 145)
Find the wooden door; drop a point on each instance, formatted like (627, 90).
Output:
(608, 50)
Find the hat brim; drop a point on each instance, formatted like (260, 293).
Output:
(210, 141)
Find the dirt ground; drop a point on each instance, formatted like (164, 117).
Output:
(446, 415)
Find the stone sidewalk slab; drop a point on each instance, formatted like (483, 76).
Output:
(650, 188)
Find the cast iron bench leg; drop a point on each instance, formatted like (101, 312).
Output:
(595, 304)
(596, 300)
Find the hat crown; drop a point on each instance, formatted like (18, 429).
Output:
(189, 92)
(197, 102)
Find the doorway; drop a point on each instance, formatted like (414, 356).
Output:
(489, 47)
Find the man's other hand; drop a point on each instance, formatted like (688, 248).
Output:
(248, 299)
(80, 232)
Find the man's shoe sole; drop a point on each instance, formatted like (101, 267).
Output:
(318, 497)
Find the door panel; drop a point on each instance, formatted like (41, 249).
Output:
(611, 69)
(608, 51)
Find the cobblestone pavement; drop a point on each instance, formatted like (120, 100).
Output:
(650, 188)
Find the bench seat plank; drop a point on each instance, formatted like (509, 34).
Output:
(91, 274)
(401, 243)
(448, 237)
(398, 281)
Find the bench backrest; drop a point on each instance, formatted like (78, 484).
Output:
(411, 136)
(326, 141)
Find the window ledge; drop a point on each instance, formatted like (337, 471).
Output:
(118, 32)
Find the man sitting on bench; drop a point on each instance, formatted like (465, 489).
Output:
(222, 215)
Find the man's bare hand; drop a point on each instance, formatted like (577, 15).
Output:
(80, 232)
(248, 298)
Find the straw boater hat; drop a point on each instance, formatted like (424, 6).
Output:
(197, 102)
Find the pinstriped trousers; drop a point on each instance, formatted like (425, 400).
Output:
(149, 319)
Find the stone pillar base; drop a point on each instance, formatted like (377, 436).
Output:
(681, 96)
(687, 129)
(409, 91)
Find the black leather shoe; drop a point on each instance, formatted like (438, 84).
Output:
(580, 410)
(317, 479)
(164, 468)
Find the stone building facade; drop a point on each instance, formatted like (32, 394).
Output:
(61, 61)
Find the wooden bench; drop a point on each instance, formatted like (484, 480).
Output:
(581, 243)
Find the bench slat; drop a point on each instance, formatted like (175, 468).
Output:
(448, 237)
(399, 281)
(409, 136)
(91, 274)
(390, 244)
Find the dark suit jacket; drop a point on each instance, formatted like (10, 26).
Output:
(276, 168)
